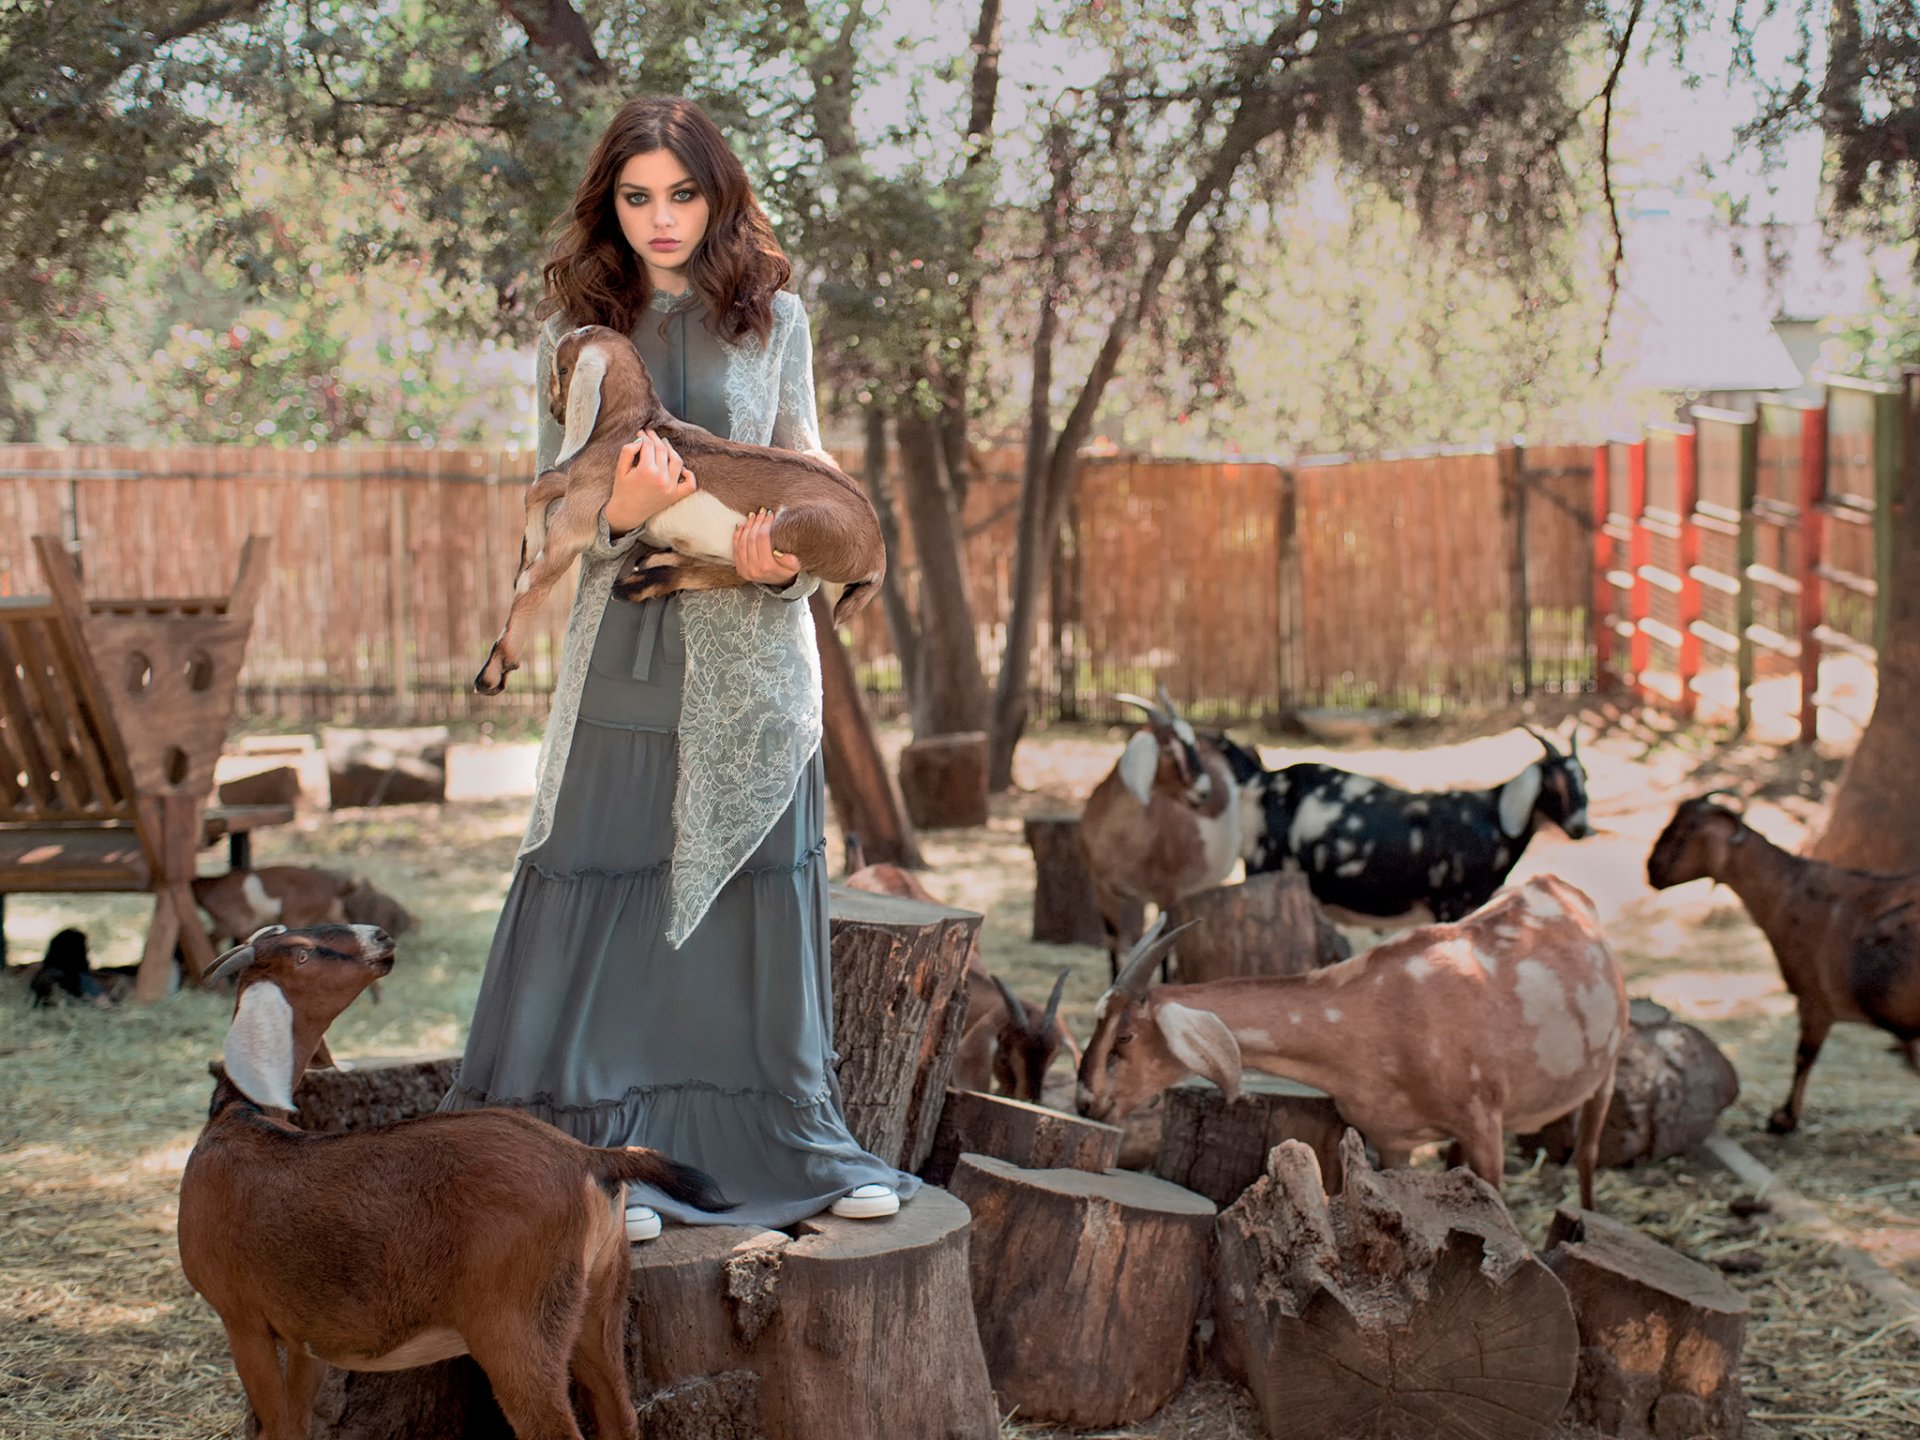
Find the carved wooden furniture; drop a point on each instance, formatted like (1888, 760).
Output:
(112, 714)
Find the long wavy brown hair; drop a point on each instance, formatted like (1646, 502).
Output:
(593, 275)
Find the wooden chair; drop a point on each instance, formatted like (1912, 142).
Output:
(112, 715)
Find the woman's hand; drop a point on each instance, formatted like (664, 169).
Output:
(648, 477)
(753, 553)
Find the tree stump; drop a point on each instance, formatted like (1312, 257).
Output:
(844, 1330)
(450, 1400)
(943, 779)
(1408, 1306)
(386, 767)
(363, 1094)
(278, 785)
(1021, 1134)
(1218, 1147)
(1086, 1287)
(1065, 909)
(1668, 1093)
(899, 1006)
(1267, 925)
(1660, 1335)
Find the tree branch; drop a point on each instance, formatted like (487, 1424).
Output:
(555, 28)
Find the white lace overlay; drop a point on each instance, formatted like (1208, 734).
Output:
(750, 716)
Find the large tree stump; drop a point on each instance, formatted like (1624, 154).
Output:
(844, 1330)
(899, 1006)
(1267, 925)
(1407, 1306)
(1218, 1146)
(363, 1094)
(1086, 1286)
(1660, 1335)
(1021, 1134)
(1065, 909)
(943, 779)
(447, 1401)
(386, 767)
(1668, 1093)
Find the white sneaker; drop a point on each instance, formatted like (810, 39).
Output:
(869, 1202)
(643, 1222)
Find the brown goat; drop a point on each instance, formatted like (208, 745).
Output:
(1007, 1042)
(1847, 941)
(241, 901)
(1165, 823)
(486, 1232)
(601, 392)
(1506, 1020)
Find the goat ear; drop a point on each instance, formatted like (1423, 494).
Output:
(583, 402)
(1200, 1040)
(1517, 799)
(259, 1048)
(1139, 763)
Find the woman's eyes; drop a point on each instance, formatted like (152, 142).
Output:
(680, 197)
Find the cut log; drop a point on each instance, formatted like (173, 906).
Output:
(363, 1094)
(1218, 1147)
(864, 798)
(899, 1006)
(1065, 909)
(1668, 1093)
(943, 779)
(1267, 925)
(1660, 1335)
(278, 785)
(1407, 1306)
(386, 767)
(1021, 1134)
(1086, 1287)
(852, 1329)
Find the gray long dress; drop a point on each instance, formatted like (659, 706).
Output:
(719, 1052)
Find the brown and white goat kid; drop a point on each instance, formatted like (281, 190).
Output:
(1008, 1042)
(601, 392)
(1847, 941)
(1165, 823)
(486, 1233)
(1506, 1020)
(242, 901)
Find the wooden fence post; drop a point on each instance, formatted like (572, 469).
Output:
(1686, 496)
(1743, 563)
(1886, 497)
(1639, 554)
(1813, 536)
(1513, 463)
(1600, 622)
(1287, 544)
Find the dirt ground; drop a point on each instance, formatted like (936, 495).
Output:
(100, 1337)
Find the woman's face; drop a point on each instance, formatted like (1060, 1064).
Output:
(662, 214)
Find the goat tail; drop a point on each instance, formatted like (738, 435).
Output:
(684, 1183)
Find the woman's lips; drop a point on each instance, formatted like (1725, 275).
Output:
(663, 244)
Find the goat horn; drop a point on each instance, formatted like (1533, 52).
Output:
(1154, 712)
(1739, 806)
(1132, 979)
(229, 964)
(1016, 1012)
(1053, 1002)
(1166, 700)
(1552, 752)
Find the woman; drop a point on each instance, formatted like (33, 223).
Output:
(660, 973)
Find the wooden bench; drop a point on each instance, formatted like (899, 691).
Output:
(112, 714)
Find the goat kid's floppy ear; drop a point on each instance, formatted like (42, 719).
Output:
(1139, 763)
(1200, 1040)
(1517, 799)
(259, 1048)
(583, 401)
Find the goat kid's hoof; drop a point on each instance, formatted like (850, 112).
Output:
(643, 1223)
(1782, 1123)
(869, 1202)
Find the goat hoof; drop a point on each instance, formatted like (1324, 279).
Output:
(1782, 1122)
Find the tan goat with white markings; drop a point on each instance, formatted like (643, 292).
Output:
(1505, 1020)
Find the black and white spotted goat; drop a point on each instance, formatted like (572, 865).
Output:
(1381, 856)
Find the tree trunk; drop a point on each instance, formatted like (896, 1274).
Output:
(1065, 909)
(1021, 1134)
(1669, 1090)
(1873, 823)
(1267, 925)
(864, 800)
(1086, 1288)
(1218, 1147)
(893, 596)
(948, 689)
(842, 1330)
(1406, 1307)
(943, 779)
(899, 1006)
(1660, 1335)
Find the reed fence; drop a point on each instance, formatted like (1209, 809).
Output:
(1435, 583)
